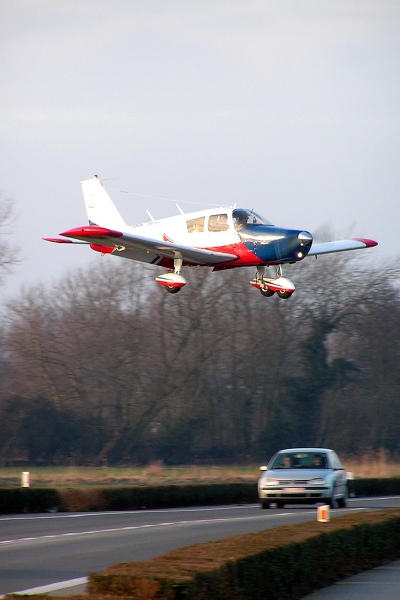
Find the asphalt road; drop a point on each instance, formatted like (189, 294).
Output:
(382, 583)
(37, 550)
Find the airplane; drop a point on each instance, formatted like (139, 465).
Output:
(221, 238)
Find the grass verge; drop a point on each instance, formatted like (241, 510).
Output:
(368, 465)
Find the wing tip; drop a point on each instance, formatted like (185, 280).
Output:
(368, 243)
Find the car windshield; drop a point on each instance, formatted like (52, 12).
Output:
(299, 460)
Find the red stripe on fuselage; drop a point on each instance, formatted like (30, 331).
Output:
(245, 257)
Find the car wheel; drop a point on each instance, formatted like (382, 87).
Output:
(264, 504)
(280, 505)
(342, 502)
(332, 500)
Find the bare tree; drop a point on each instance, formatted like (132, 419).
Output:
(217, 371)
(8, 252)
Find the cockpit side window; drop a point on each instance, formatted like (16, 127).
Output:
(218, 223)
(195, 225)
(243, 217)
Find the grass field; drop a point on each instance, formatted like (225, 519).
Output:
(153, 474)
(367, 465)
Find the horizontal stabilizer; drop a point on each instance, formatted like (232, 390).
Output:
(62, 241)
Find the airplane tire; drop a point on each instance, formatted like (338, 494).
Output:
(283, 294)
(172, 289)
(267, 293)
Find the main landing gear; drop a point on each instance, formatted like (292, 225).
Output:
(173, 280)
(283, 286)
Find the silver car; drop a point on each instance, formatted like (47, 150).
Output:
(303, 476)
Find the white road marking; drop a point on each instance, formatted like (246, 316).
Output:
(52, 587)
(159, 511)
(366, 498)
(137, 527)
(72, 534)
(123, 512)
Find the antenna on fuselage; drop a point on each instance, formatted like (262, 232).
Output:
(150, 215)
(179, 208)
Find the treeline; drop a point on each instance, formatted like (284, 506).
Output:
(107, 367)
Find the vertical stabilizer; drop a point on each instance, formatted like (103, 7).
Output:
(100, 208)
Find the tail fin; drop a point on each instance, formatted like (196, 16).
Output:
(100, 208)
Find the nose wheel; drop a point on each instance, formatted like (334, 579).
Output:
(282, 294)
(283, 286)
(267, 292)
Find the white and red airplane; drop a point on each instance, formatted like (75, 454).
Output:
(221, 238)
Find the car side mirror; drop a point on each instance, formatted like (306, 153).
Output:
(263, 468)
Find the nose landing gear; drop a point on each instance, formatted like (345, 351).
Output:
(283, 286)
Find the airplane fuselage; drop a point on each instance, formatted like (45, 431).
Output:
(256, 242)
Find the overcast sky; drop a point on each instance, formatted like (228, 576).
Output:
(290, 107)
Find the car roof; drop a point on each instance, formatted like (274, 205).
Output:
(304, 450)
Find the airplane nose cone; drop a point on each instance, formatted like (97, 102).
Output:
(305, 238)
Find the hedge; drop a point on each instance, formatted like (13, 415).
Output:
(377, 486)
(22, 500)
(284, 563)
(28, 500)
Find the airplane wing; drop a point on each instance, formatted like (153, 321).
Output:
(123, 242)
(340, 246)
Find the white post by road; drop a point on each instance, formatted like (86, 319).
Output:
(25, 479)
(323, 514)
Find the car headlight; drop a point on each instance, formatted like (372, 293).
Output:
(318, 480)
(270, 481)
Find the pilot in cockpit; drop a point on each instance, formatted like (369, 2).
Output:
(240, 220)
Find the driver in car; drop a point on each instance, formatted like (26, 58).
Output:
(287, 462)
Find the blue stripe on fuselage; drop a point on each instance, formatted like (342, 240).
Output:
(274, 244)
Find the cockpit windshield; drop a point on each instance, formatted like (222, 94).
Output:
(242, 217)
